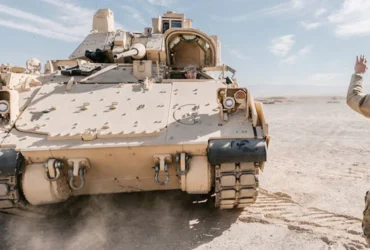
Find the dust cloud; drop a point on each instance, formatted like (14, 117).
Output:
(151, 220)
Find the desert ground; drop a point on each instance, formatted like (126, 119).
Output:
(311, 197)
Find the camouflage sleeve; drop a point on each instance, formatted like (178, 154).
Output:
(356, 99)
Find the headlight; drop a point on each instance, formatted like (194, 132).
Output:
(240, 94)
(4, 107)
(229, 102)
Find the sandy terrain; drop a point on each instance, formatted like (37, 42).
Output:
(311, 197)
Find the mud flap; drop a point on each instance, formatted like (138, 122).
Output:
(9, 162)
(236, 151)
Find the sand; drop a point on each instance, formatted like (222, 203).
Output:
(311, 197)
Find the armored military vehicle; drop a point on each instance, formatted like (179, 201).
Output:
(122, 115)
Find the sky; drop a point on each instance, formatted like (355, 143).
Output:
(276, 46)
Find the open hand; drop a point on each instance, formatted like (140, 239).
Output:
(360, 66)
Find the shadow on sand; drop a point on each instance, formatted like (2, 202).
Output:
(148, 220)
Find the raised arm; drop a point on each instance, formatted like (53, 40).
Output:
(356, 98)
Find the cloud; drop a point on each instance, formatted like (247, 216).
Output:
(293, 58)
(39, 31)
(162, 2)
(352, 18)
(279, 9)
(237, 54)
(351, 10)
(281, 46)
(305, 50)
(310, 26)
(135, 14)
(320, 12)
(292, 5)
(38, 25)
(75, 16)
(290, 59)
(298, 4)
(323, 76)
(71, 22)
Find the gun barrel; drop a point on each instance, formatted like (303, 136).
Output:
(132, 52)
(137, 51)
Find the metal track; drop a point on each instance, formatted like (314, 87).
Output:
(14, 202)
(10, 194)
(236, 184)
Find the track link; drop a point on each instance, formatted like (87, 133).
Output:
(236, 184)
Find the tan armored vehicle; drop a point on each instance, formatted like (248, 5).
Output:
(120, 115)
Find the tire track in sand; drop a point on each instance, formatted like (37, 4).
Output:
(333, 229)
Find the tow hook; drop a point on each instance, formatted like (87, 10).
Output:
(79, 169)
(182, 161)
(54, 166)
(162, 162)
(81, 174)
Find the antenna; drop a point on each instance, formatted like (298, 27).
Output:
(159, 10)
